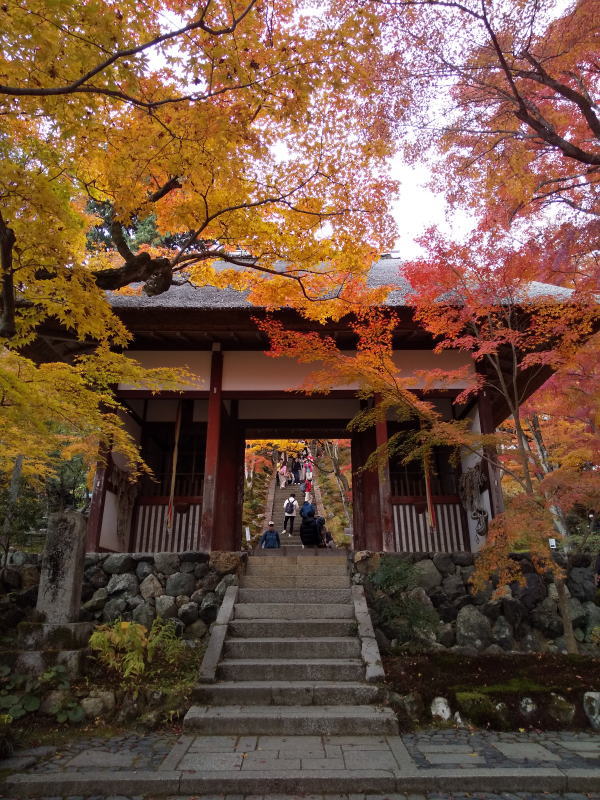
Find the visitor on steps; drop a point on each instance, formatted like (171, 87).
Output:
(270, 539)
(290, 509)
(310, 531)
(296, 470)
(306, 507)
(282, 472)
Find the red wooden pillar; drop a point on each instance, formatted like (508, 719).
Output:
(227, 531)
(94, 525)
(211, 461)
(369, 536)
(385, 490)
(486, 425)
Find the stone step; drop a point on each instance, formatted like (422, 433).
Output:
(297, 720)
(324, 596)
(294, 581)
(315, 556)
(322, 647)
(297, 669)
(292, 627)
(282, 693)
(297, 611)
(266, 567)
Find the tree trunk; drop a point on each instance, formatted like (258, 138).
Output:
(13, 494)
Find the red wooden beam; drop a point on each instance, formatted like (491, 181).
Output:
(211, 463)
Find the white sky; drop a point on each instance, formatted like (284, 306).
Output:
(418, 208)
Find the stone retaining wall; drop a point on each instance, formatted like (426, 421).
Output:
(517, 618)
(188, 587)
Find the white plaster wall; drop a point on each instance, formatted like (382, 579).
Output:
(108, 532)
(255, 371)
(298, 408)
(197, 361)
(468, 460)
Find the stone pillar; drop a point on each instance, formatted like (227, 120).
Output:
(59, 594)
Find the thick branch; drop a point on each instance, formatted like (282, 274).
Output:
(7, 242)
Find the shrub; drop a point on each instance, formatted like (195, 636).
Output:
(130, 651)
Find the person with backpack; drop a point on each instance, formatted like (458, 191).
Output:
(270, 539)
(306, 507)
(310, 531)
(290, 508)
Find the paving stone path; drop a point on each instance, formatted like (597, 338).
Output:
(434, 764)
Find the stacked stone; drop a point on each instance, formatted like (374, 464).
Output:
(523, 618)
(187, 587)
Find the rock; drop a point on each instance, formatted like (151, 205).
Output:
(118, 563)
(427, 575)
(480, 709)
(444, 563)
(527, 707)
(96, 576)
(94, 558)
(167, 563)
(493, 609)
(123, 582)
(532, 593)
(440, 709)
(513, 612)
(502, 634)
(144, 614)
(11, 578)
(194, 556)
(581, 583)
(533, 642)
(180, 583)
(209, 608)
(188, 613)
(446, 635)
(358, 579)
(196, 630)
(198, 596)
(553, 591)
(592, 619)
(151, 587)
(560, 710)
(188, 566)
(225, 562)
(545, 617)
(412, 705)
(30, 576)
(54, 700)
(453, 587)
(577, 611)
(493, 650)
(143, 569)
(200, 570)
(17, 558)
(579, 635)
(132, 600)
(458, 720)
(383, 642)
(97, 601)
(166, 607)
(465, 573)
(181, 600)
(209, 582)
(484, 596)
(92, 706)
(225, 582)
(114, 609)
(591, 706)
(463, 559)
(419, 595)
(473, 629)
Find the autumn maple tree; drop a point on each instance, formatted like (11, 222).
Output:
(221, 128)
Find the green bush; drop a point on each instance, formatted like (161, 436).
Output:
(21, 694)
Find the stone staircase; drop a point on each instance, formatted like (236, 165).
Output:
(291, 660)
(292, 544)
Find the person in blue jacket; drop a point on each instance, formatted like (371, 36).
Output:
(306, 507)
(270, 538)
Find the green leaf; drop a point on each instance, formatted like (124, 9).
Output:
(16, 712)
(76, 714)
(8, 700)
(61, 716)
(31, 702)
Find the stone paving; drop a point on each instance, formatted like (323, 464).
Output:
(159, 764)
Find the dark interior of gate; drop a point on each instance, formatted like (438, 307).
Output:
(394, 507)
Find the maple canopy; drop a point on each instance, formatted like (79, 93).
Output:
(244, 130)
(502, 95)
